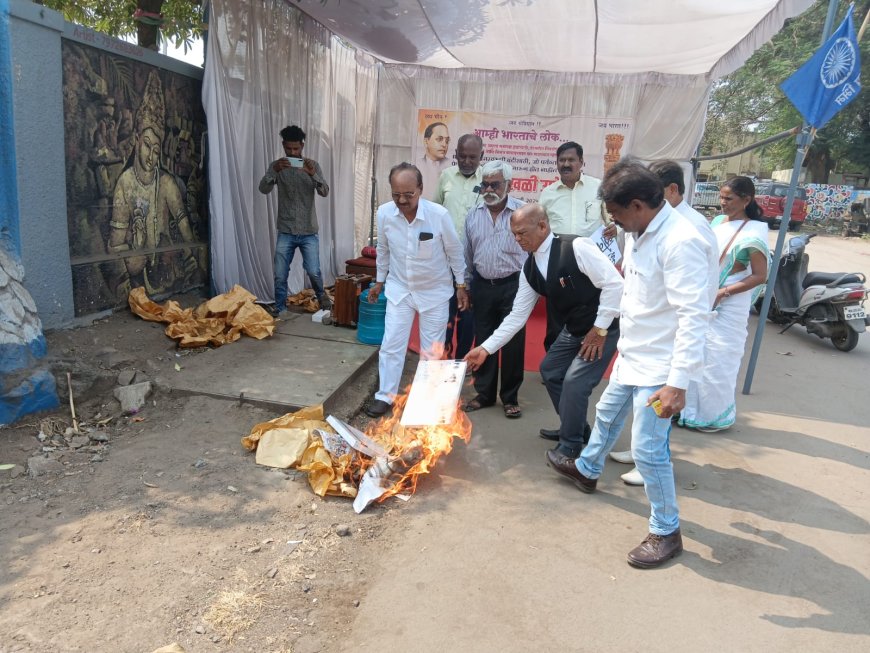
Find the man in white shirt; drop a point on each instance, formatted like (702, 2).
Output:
(459, 192)
(671, 175)
(572, 203)
(663, 319)
(419, 258)
(582, 289)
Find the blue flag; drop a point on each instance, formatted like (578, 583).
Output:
(830, 79)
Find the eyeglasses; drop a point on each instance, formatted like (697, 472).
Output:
(495, 185)
(403, 196)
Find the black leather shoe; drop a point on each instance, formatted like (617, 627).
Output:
(655, 550)
(566, 467)
(377, 408)
(550, 434)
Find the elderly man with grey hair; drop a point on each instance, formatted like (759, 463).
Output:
(493, 261)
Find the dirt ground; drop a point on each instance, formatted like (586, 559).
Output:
(160, 528)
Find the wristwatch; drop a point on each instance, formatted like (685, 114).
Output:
(460, 285)
(601, 332)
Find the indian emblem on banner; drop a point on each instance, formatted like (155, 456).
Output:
(838, 64)
(612, 148)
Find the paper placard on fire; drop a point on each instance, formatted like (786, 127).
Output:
(435, 391)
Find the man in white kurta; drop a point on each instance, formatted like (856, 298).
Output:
(572, 203)
(419, 259)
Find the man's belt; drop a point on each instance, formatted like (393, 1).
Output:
(497, 282)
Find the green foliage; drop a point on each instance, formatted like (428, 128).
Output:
(749, 101)
(182, 19)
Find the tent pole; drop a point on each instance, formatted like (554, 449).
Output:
(374, 163)
(804, 139)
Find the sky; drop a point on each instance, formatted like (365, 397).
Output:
(193, 55)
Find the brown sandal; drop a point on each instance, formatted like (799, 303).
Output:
(512, 411)
(475, 404)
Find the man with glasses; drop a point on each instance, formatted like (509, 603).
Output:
(583, 290)
(572, 203)
(493, 259)
(664, 312)
(419, 258)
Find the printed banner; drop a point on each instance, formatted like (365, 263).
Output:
(527, 143)
(827, 200)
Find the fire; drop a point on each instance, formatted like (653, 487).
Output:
(412, 450)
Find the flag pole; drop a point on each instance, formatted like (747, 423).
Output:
(863, 26)
(804, 140)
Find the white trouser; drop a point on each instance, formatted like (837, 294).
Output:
(397, 330)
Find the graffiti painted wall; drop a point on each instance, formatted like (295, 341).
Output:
(827, 201)
(136, 195)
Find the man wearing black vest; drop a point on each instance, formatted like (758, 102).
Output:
(583, 290)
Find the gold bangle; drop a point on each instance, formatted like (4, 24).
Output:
(460, 285)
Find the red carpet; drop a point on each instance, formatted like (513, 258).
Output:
(536, 329)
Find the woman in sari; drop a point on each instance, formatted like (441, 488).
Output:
(743, 265)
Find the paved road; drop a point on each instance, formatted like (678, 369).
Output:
(499, 554)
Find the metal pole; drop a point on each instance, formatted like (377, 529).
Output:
(9, 226)
(804, 139)
(794, 131)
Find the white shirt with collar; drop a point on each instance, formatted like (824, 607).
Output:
(574, 210)
(424, 269)
(706, 232)
(591, 262)
(665, 304)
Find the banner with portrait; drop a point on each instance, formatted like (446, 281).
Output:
(527, 143)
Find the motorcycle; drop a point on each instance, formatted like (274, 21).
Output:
(828, 304)
(857, 223)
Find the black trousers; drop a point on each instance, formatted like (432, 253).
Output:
(492, 303)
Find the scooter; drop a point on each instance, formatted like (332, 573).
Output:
(828, 304)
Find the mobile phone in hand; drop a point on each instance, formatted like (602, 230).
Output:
(295, 162)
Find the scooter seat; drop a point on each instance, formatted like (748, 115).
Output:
(824, 278)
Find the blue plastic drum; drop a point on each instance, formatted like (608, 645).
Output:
(370, 327)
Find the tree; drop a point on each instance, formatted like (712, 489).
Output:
(749, 101)
(151, 20)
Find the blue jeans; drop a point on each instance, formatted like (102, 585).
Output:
(285, 249)
(649, 446)
(570, 380)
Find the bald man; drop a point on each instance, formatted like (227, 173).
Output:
(583, 290)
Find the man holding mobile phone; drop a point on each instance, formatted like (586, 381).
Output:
(297, 178)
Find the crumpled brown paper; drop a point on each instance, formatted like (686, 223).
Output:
(294, 433)
(307, 300)
(327, 475)
(220, 320)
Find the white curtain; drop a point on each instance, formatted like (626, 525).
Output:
(668, 110)
(268, 66)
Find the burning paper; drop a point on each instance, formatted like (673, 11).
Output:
(389, 457)
(434, 395)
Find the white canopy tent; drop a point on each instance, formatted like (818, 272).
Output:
(271, 63)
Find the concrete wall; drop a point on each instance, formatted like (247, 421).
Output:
(36, 38)
(38, 110)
